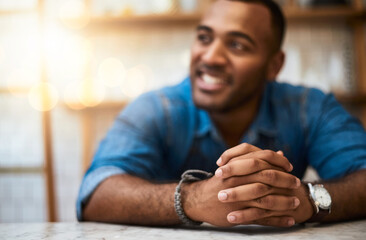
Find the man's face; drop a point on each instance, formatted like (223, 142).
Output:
(231, 54)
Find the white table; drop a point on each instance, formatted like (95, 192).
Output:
(64, 231)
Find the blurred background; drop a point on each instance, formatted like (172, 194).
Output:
(67, 67)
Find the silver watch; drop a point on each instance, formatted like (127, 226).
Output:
(321, 200)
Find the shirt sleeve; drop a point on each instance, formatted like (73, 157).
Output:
(336, 140)
(133, 145)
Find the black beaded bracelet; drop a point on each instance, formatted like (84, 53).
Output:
(187, 177)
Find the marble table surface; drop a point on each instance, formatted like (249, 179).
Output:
(74, 230)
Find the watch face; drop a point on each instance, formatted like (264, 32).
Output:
(322, 197)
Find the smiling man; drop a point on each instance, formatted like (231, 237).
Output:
(232, 119)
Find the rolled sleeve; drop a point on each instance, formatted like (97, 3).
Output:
(337, 142)
(134, 145)
(91, 182)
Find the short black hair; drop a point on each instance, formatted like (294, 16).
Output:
(278, 19)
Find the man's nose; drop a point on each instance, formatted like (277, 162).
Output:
(214, 54)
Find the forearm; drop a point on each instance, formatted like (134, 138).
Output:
(348, 197)
(132, 200)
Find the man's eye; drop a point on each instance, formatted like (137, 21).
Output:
(238, 46)
(203, 38)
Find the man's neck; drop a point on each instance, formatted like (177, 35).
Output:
(233, 124)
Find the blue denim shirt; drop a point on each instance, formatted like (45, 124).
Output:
(162, 133)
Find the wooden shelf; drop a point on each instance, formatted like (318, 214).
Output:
(323, 14)
(21, 170)
(291, 13)
(148, 18)
(76, 106)
(152, 19)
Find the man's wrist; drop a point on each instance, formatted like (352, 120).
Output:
(189, 202)
(182, 202)
(306, 204)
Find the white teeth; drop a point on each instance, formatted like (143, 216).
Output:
(212, 80)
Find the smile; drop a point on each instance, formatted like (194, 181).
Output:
(212, 80)
(209, 83)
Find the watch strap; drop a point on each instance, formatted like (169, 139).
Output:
(318, 216)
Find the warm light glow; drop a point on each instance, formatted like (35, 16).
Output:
(91, 93)
(72, 14)
(66, 54)
(43, 96)
(162, 6)
(136, 82)
(72, 96)
(19, 81)
(112, 72)
(78, 95)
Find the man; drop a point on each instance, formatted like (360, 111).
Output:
(231, 118)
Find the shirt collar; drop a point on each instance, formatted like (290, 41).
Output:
(263, 124)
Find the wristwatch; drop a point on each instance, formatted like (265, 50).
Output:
(321, 201)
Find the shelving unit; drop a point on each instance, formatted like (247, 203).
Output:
(47, 168)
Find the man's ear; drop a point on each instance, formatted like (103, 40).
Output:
(275, 65)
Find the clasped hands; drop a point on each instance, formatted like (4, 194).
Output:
(251, 186)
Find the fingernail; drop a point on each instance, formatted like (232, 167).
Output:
(298, 182)
(296, 202)
(222, 196)
(291, 222)
(291, 168)
(219, 161)
(231, 218)
(218, 172)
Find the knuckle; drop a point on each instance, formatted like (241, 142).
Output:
(233, 195)
(227, 169)
(269, 202)
(245, 146)
(254, 163)
(258, 201)
(270, 175)
(231, 181)
(268, 154)
(258, 213)
(261, 189)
